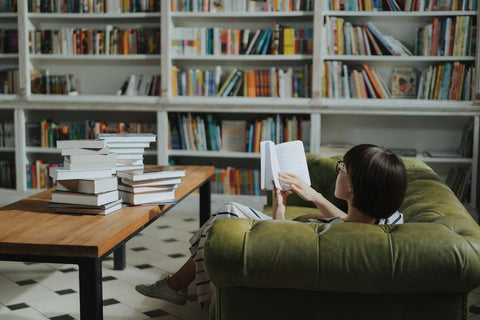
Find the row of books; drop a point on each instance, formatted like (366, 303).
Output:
(219, 41)
(8, 41)
(8, 6)
(205, 133)
(273, 82)
(7, 133)
(406, 5)
(7, 174)
(447, 37)
(236, 181)
(93, 6)
(42, 82)
(449, 81)
(459, 180)
(37, 173)
(46, 132)
(141, 85)
(112, 40)
(344, 38)
(342, 81)
(10, 80)
(241, 5)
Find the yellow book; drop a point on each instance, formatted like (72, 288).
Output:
(225, 83)
(174, 84)
(340, 42)
(288, 41)
(438, 81)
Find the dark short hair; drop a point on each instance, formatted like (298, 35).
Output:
(379, 179)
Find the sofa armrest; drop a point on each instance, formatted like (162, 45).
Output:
(345, 257)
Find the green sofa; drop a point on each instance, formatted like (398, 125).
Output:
(423, 269)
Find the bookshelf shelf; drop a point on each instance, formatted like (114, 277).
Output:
(246, 58)
(93, 16)
(93, 57)
(395, 122)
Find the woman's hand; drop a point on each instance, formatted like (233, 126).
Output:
(299, 186)
(279, 200)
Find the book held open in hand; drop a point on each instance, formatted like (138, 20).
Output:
(283, 157)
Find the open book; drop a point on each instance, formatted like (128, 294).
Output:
(283, 157)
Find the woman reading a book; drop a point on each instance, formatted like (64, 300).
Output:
(372, 180)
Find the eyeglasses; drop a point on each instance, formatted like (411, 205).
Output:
(340, 167)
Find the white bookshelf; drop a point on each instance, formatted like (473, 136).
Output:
(396, 123)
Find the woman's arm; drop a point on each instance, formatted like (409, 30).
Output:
(307, 193)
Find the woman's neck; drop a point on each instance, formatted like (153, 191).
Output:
(355, 215)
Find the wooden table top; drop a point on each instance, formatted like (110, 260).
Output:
(30, 227)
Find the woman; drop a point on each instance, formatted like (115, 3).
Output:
(372, 180)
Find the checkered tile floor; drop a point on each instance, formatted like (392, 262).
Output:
(31, 291)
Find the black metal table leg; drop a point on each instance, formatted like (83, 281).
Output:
(91, 301)
(205, 205)
(119, 258)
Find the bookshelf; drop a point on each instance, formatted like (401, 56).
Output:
(399, 122)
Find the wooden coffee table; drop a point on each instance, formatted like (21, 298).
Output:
(31, 231)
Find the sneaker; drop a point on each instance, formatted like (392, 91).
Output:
(161, 290)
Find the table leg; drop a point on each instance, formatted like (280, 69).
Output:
(205, 204)
(119, 258)
(91, 301)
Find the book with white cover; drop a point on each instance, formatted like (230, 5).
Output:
(149, 173)
(83, 198)
(286, 157)
(127, 137)
(81, 143)
(141, 189)
(86, 209)
(60, 173)
(151, 183)
(73, 151)
(88, 185)
(162, 197)
(87, 161)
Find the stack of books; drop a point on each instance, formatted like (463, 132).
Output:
(129, 148)
(85, 183)
(151, 185)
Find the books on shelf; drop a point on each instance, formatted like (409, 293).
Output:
(242, 6)
(103, 209)
(407, 5)
(140, 85)
(239, 181)
(288, 157)
(88, 185)
(459, 179)
(7, 171)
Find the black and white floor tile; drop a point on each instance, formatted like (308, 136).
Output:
(31, 291)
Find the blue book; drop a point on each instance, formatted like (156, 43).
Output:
(267, 42)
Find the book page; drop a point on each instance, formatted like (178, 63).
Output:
(291, 159)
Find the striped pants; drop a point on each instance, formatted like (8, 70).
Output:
(204, 287)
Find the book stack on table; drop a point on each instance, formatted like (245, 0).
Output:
(85, 183)
(129, 148)
(151, 185)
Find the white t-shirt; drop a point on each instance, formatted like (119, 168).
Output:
(395, 218)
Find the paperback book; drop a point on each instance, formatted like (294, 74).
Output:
(286, 157)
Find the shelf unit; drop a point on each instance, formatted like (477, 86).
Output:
(395, 123)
